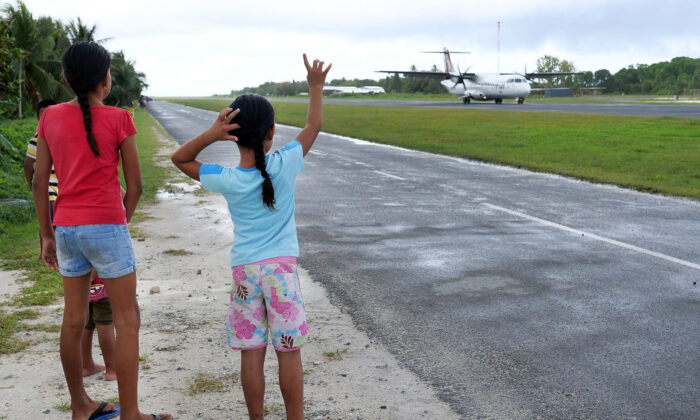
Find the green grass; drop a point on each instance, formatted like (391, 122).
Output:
(152, 176)
(653, 154)
(202, 384)
(14, 137)
(63, 406)
(178, 252)
(19, 232)
(334, 355)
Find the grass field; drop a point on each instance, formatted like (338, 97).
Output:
(648, 154)
(19, 241)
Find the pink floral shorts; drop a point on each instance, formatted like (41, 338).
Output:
(266, 301)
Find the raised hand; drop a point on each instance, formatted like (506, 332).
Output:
(221, 127)
(315, 74)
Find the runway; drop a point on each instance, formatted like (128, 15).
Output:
(642, 110)
(514, 294)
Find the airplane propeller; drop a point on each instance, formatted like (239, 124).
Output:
(459, 77)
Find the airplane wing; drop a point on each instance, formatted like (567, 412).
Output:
(436, 75)
(552, 74)
(431, 74)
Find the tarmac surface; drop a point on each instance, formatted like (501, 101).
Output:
(645, 110)
(513, 294)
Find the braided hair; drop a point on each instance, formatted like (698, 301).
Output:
(85, 65)
(255, 119)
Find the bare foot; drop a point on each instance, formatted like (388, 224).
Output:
(110, 375)
(91, 370)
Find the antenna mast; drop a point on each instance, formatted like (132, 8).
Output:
(498, 57)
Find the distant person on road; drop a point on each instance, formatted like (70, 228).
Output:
(265, 300)
(85, 141)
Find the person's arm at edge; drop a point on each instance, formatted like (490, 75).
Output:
(185, 157)
(29, 170)
(132, 174)
(316, 77)
(40, 191)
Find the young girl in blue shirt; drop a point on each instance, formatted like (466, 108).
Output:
(265, 300)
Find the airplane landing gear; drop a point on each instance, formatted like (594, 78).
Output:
(466, 100)
(498, 101)
(521, 100)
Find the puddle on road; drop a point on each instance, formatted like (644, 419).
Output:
(175, 190)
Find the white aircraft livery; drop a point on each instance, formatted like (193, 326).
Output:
(481, 86)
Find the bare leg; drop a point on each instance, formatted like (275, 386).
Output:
(253, 380)
(292, 383)
(76, 292)
(105, 336)
(89, 366)
(127, 320)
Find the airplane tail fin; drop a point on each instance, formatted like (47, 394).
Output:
(449, 67)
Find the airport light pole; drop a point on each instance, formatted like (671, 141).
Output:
(498, 54)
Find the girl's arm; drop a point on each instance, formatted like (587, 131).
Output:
(40, 190)
(132, 174)
(185, 157)
(316, 77)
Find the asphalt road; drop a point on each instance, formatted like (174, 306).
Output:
(645, 110)
(514, 294)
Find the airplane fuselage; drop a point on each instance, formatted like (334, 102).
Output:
(488, 87)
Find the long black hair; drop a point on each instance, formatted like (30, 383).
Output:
(256, 119)
(85, 65)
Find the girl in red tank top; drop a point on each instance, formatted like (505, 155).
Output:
(85, 141)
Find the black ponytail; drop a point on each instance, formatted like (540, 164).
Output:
(87, 122)
(256, 119)
(268, 191)
(85, 65)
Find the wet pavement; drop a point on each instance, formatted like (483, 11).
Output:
(514, 294)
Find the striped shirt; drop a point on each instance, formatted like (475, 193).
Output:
(53, 181)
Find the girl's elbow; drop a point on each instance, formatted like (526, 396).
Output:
(176, 161)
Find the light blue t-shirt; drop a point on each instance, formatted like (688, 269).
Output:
(258, 232)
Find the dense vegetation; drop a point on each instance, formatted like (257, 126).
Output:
(32, 48)
(35, 46)
(665, 78)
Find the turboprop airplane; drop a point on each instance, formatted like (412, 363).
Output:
(481, 86)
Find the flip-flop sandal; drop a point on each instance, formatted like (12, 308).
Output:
(100, 415)
(157, 417)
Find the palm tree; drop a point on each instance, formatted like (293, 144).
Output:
(79, 31)
(127, 83)
(38, 47)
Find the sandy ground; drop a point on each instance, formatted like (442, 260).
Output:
(183, 300)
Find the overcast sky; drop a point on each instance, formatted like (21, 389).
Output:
(203, 47)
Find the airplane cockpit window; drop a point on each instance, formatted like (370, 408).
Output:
(510, 81)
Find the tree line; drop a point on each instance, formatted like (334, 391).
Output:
(31, 48)
(663, 78)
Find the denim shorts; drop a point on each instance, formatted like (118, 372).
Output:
(106, 248)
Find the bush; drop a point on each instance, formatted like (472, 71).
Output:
(14, 136)
(15, 214)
